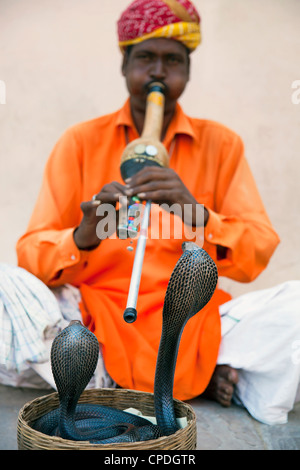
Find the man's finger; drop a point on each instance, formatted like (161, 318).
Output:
(88, 207)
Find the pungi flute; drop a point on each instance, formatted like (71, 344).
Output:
(145, 151)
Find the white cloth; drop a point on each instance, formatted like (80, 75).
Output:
(261, 338)
(31, 315)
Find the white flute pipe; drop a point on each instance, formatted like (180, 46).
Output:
(130, 313)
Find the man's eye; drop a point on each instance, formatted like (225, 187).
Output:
(173, 60)
(143, 56)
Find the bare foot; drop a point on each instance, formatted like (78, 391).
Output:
(221, 385)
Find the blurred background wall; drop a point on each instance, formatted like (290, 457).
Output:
(60, 64)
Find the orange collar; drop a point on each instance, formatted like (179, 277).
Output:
(180, 123)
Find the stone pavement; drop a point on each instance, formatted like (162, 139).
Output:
(217, 428)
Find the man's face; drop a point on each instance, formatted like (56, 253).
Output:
(163, 60)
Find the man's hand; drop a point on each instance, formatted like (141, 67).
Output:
(85, 235)
(163, 185)
(160, 185)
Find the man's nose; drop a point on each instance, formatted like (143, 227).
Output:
(158, 71)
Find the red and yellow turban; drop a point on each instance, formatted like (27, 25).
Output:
(172, 19)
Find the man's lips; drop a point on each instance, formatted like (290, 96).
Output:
(164, 86)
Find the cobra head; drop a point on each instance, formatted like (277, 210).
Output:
(192, 282)
(74, 356)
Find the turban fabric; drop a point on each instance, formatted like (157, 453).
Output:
(171, 19)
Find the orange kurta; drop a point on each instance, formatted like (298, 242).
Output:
(209, 158)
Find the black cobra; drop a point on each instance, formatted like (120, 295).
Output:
(74, 357)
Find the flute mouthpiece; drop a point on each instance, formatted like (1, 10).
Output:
(157, 86)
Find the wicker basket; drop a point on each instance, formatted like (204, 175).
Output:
(30, 439)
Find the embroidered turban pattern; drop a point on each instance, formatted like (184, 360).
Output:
(147, 19)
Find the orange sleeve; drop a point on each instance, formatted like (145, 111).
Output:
(47, 249)
(238, 221)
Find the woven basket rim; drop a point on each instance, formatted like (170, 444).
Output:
(34, 439)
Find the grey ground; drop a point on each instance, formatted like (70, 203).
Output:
(217, 428)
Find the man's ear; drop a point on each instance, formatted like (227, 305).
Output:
(189, 67)
(124, 63)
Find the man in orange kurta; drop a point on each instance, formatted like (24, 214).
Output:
(207, 167)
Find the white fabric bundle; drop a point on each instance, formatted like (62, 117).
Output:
(261, 338)
(29, 314)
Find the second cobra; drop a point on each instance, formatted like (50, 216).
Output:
(75, 352)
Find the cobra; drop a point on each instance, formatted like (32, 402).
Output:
(75, 352)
